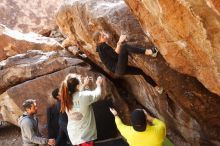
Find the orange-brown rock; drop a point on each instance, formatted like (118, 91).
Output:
(14, 42)
(190, 110)
(83, 18)
(29, 16)
(187, 34)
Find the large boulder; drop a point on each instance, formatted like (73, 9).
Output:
(29, 16)
(14, 42)
(187, 34)
(22, 67)
(78, 20)
(190, 110)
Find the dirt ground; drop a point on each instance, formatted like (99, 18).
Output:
(10, 136)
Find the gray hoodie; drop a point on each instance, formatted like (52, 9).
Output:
(30, 132)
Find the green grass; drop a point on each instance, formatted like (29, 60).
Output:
(167, 142)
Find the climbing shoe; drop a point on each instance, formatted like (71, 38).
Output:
(154, 51)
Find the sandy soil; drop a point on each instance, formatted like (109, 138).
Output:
(10, 136)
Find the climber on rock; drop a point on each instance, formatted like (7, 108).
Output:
(145, 130)
(116, 60)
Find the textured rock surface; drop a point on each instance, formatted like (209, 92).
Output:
(28, 16)
(35, 71)
(14, 42)
(23, 67)
(187, 34)
(39, 88)
(85, 17)
(190, 110)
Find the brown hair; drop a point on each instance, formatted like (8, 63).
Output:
(28, 103)
(67, 89)
(96, 36)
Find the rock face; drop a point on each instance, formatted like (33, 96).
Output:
(190, 111)
(29, 16)
(85, 17)
(187, 34)
(33, 64)
(34, 73)
(14, 42)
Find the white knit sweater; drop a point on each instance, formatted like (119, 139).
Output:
(81, 120)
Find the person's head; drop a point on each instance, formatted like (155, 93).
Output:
(138, 120)
(100, 37)
(69, 86)
(30, 106)
(55, 93)
(52, 99)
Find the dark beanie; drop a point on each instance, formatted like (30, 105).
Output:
(55, 93)
(138, 120)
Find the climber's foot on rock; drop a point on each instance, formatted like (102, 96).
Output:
(154, 51)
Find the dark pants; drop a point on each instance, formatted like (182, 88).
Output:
(122, 64)
(62, 138)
